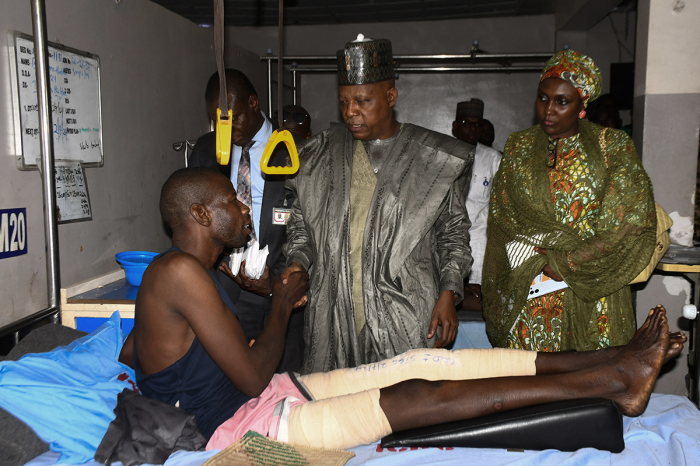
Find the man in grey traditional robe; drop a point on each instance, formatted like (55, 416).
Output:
(379, 222)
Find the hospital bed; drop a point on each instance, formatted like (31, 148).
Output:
(667, 433)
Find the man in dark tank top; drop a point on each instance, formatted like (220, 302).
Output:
(188, 349)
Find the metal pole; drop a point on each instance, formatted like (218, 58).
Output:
(269, 89)
(280, 64)
(467, 58)
(294, 83)
(46, 143)
(435, 69)
(694, 341)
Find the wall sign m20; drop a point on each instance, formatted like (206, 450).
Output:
(13, 232)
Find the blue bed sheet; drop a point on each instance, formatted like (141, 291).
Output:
(179, 458)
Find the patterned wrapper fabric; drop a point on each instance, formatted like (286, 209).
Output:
(576, 205)
(594, 213)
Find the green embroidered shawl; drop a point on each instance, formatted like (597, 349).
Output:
(599, 266)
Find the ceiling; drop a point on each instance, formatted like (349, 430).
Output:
(308, 12)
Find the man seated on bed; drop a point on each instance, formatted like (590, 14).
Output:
(188, 349)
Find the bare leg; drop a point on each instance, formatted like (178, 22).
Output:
(627, 378)
(441, 365)
(557, 363)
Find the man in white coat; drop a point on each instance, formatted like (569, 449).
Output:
(468, 126)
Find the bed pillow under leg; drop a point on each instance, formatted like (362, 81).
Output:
(564, 425)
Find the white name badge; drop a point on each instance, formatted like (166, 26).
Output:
(280, 216)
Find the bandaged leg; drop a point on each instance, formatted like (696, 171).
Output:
(427, 364)
(340, 422)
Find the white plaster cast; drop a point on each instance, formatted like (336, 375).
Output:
(682, 230)
(677, 285)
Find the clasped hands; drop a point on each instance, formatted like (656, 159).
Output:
(264, 285)
(444, 312)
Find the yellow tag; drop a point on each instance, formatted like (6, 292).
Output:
(277, 137)
(223, 138)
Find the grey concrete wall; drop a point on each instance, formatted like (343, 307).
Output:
(153, 67)
(667, 118)
(425, 99)
(602, 43)
(512, 34)
(430, 99)
(249, 63)
(668, 139)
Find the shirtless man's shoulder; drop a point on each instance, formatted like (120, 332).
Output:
(177, 296)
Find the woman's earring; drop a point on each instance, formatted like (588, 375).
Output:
(582, 114)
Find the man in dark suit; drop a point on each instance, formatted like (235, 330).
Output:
(264, 194)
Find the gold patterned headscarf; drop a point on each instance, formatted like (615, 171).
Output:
(577, 69)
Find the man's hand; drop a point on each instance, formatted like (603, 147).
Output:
(444, 315)
(472, 298)
(291, 290)
(293, 267)
(547, 269)
(262, 286)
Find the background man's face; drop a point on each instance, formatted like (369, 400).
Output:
(245, 118)
(487, 134)
(297, 121)
(214, 104)
(467, 129)
(367, 109)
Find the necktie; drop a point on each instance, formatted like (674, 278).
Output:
(243, 188)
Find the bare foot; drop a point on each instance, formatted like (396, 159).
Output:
(637, 365)
(676, 342)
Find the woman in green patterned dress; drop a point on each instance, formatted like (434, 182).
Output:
(570, 201)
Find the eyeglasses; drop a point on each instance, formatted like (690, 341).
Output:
(298, 117)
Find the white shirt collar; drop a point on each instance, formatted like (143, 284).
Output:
(264, 133)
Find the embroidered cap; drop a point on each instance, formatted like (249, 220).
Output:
(471, 108)
(365, 61)
(578, 70)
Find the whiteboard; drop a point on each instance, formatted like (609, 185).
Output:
(74, 81)
(72, 199)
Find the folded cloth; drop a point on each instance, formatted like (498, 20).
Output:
(254, 257)
(147, 431)
(254, 449)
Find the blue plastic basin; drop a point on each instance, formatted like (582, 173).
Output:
(134, 264)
